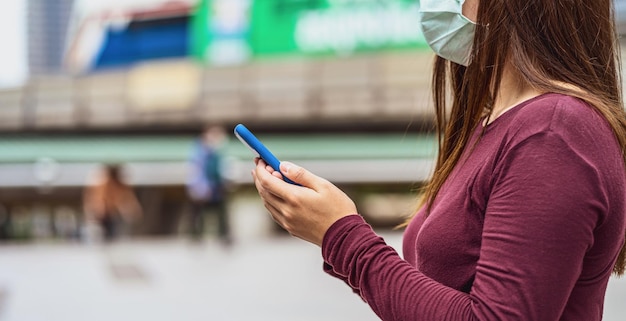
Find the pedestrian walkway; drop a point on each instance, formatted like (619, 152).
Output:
(276, 278)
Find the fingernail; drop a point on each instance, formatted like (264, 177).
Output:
(285, 167)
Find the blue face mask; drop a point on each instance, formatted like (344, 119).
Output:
(447, 31)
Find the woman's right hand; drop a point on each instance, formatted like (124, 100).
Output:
(305, 211)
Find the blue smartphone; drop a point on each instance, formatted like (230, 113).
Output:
(246, 137)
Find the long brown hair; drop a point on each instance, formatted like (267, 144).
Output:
(567, 47)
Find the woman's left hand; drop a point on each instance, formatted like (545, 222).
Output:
(305, 211)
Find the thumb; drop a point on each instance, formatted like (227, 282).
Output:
(298, 174)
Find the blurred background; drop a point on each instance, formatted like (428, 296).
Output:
(338, 86)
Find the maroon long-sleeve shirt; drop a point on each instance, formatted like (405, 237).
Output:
(527, 227)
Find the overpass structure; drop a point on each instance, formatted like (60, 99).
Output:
(360, 121)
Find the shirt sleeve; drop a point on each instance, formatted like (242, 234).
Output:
(545, 202)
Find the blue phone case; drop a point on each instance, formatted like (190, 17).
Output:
(246, 137)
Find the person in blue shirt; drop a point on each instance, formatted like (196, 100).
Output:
(206, 184)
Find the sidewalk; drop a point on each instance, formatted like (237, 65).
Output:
(275, 278)
(278, 278)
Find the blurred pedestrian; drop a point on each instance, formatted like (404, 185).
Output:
(206, 184)
(525, 215)
(111, 202)
(5, 223)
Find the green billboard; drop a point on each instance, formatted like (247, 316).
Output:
(244, 28)
(220, 31)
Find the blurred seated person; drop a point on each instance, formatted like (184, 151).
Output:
(110, 202)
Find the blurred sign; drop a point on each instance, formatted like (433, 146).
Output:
(220, 31)
(113, 33)
(165, 86)
(303, 27)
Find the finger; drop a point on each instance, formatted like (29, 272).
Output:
(267, 167)
(264, 181)
(273, 184)
(269, 200)
(259, 161)
(275, 214)
(277, 174)
(301, 176)
(274, 172)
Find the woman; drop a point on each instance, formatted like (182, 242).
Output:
(524, 217)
